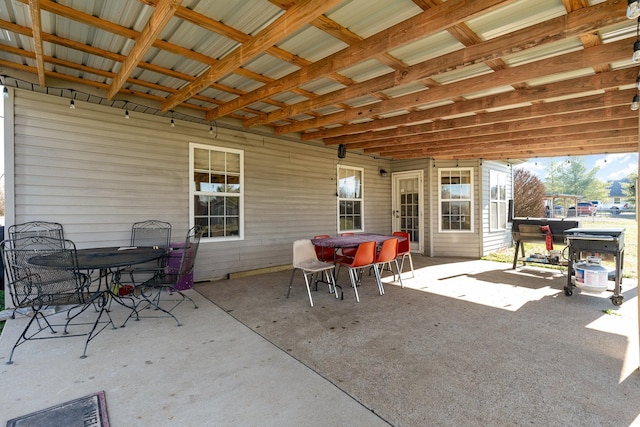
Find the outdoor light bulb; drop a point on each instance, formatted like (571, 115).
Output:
(72, 105)
(633, 10)
(636, 51)
(636, 102)
(173, 124)
(211, 129)
(126, 114)
(638, 82)
(5, 92)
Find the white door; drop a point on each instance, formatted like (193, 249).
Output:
(407, 206)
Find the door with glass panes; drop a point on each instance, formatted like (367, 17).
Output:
(407, 206)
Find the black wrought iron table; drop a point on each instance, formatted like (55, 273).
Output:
(108, 262)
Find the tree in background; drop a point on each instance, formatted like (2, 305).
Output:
(528, 194)
(629, 188)
(574, 178)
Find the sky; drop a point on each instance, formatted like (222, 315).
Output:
(612, 166)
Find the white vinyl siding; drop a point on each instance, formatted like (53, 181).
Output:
(97, 173)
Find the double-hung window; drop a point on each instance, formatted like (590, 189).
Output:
(350, 199)
(455, 193)
(216, 193)
(498, 200)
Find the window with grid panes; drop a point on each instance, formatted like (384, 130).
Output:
(498, 200)
(455, 192)
(350, 199)
(217, 191)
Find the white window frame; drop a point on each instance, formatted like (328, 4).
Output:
(498, 206)
(193, 191)
(448, 171)
(346, 199)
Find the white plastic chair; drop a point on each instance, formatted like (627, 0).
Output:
(305, 260)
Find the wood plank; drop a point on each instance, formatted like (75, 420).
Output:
(159, 18)
(601, 54)
(292, 20)
(36, 26)
(428, 22)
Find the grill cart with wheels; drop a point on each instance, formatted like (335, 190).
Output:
(595, 241)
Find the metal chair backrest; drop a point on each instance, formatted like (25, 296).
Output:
(34, 285)
(36, 228)
(151, 233)
(388, 251)
(188, 258)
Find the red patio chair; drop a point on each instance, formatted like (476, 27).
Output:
(404, 250)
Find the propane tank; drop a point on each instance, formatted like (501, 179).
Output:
(591, 276)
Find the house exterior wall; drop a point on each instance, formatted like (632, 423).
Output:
(456, 243)
(493, 240)
(96, 173)
(423, 165)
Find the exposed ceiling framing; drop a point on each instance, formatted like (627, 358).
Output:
(401, 79)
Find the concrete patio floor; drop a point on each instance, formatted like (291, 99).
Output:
(465, 343)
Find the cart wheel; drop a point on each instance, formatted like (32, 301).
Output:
(617, 299)
(568, 292)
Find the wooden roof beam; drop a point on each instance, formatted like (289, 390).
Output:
(588, 57)
(36, 24)
(428, 22)
(293, 19)
(159, 18)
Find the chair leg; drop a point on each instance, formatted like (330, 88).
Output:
(291, 281)
(378, 278)
(407, 254)
(306, 281)
(354, 282)
(399, 275)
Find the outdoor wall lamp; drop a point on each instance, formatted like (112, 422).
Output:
(342, 151)
(636, 102)
(383, 172)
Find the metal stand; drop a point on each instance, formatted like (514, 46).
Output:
(596, 241)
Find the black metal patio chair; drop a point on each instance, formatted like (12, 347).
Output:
(44, 280)
(157, 288)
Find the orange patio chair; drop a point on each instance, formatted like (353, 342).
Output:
(365, 256)
(388, 253)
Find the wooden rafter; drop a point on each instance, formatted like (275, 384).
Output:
(293, 19)
(36, 22)
(163, 12)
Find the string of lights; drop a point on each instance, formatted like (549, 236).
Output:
(127, 105)
(633, 12)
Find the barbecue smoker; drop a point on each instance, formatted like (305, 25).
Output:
(594, 241)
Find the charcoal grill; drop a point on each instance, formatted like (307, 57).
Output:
(596, 241)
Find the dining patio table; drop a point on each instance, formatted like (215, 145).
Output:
(108, 261)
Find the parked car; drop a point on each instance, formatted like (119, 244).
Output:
(583, 209)
(614, 208)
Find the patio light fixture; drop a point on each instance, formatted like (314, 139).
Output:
(173, 124)
(383, 172)
(126, 109)
(636, 102)
(636, 45)
(342, 151)
(5, 92)
(633, 9)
